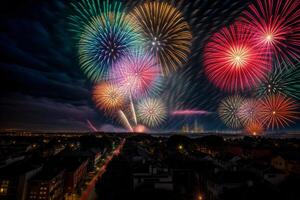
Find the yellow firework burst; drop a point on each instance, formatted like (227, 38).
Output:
(228, 110)
(108, 97)
(167, 34)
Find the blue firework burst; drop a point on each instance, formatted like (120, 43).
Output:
(107, 35)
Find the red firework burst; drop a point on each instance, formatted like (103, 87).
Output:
(276, 24)
(233, 60)
(277, 111)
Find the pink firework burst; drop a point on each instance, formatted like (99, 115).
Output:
(190, 112)
(276, 24)
(137, 75)
(233, 60)
(248, 111)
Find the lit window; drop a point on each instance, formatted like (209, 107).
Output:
(4, 187)
(1, 190)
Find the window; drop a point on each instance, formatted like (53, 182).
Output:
(3, 191)
(4, 187)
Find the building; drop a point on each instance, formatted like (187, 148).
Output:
(51, 150)
(155, 178)
(76, 170)
(220, 182)
(47, 185)
(192, 129)
(279, 162)
(93, 155)
(274, 176)
(287, 163)
(14, 179)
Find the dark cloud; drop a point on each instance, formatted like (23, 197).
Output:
(20, 111)
(40, 80)
(112, 128)
(57, 85)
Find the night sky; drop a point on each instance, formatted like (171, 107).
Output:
(42, 87)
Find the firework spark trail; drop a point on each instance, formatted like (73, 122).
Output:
(133, 111)
(91, 126)
(125, 120)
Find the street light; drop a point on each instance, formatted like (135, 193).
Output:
(180, 147)
(200, 197)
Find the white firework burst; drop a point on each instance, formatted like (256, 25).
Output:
(151, 112)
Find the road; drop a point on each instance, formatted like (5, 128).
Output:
(89, 193)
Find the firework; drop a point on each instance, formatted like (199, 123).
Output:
(108, 97)
(151, 112)
(277, 111)
(84, 10)
(282, 80)
(228, 111)
(137, 75)
(125, 121)
(277, 26)
(190, 112)
(233, 61)
(91, 126)
(139, 129)
(254, 128)
(107, 36)
(167, 35)
(133, 112)
(248, 111)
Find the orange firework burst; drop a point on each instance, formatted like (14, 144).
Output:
(139, 129)
(167, 34)
(254, 128)
(108, 97)
(277, 111)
